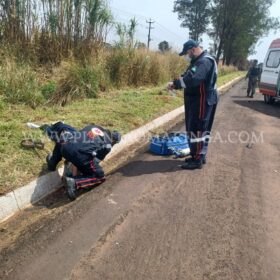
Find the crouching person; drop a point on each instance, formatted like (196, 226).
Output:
(83, 150)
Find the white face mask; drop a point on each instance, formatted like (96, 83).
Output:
(187, 58)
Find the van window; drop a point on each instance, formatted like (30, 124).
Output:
(273, 60)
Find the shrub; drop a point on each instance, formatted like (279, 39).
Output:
(224, 69)
(118, 67)
(48, 90)
(18, 84)
(133, 67)
(76, 81)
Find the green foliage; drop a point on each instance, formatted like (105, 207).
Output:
(132, 67)
(117, 63)
(164, 46)
(48, 90)
(78, 81)
(225, 70)
(54, 29)
(238, 25)
(2, 105)
(53, 21)
(122, 110)
(140, 45)
(98, 16)
(18, 84)
(126, 34)
(194, 15)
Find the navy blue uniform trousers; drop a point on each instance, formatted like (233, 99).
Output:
(92, 172)
(199, 116)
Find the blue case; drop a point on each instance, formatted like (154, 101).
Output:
(165, 145)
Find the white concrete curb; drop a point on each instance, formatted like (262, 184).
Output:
(24, 196)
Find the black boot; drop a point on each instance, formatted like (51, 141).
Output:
(192, 164)
(71, 188)
(204, 161)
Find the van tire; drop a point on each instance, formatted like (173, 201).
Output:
(268, 99)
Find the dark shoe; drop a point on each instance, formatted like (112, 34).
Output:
(204, 161)
(192, 164)
(188, 159)
(71, 188)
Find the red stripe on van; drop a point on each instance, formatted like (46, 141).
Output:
(268, 91)
(275, 44)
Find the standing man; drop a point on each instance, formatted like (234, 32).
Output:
(201, 98)
(253, 75)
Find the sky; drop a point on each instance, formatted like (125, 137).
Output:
(167, 26)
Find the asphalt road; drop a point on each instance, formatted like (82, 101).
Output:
(152, 220)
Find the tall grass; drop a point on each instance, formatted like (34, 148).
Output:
(132, 67)
(224, 69)
(77, 79)
(49, 30)
(19, 84)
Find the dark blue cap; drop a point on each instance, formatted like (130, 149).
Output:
(189, 45)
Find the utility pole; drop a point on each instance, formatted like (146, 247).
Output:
(149, 35)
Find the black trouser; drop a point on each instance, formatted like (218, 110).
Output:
(92, 175)
(92, 172)
(199, 117)
(252, 84)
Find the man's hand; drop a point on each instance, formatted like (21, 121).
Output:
(44, 127)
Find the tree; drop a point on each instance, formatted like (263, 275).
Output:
(126, 34)
(237, 26)
(131, 31)
(164, 46)
(140, 45)
(194, 15)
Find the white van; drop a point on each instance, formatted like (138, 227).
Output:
(270, 78)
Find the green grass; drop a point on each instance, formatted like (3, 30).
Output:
(224, 79)
(123, 110)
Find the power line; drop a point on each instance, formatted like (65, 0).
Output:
(124, 16)
(169, 31)
(145, 18)
(128, 13)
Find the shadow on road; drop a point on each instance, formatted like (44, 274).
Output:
(236, 96)
(137, 168)
(261, 107)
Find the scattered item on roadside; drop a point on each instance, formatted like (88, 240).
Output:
(111, 201)
(171, 144)
(276, 171)
(32, 144)
(250, 145)
(32, 125)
